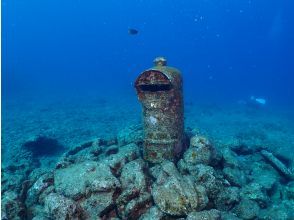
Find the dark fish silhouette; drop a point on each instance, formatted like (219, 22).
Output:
(133, 31)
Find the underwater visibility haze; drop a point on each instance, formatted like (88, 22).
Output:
(89, 131)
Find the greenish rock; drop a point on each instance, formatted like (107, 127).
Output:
(201, 151)
(62, 208)
(135, 198)
(235, 176)
(230, 158)
(38, 187)
(40, 217)
(11, 206)
(135, 207)
(227, 198)
(133, 176)
(207, 177)
(256, 192)
(155, 170)
(37, 212)
(264, 175)
(199, 141)
(12, 177)
(247, 209)
(290, 190)
(113, 149)
(183, 167)
(175, 194)
(97, 205)
(78, 180)
(201, 155)
(282, 210)
(153, 213)
(45, 193)
(278, 164)
(212, 214)
(229, 216)
(125, 154)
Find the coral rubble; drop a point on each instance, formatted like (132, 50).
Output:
(110, 180)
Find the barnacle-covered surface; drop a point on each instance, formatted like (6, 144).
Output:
(160, 91)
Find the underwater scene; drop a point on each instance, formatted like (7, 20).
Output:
(149, 110)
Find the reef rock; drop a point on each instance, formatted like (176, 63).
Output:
(255, 192)
(125, 154)
(133, 176)
(290, 191)
(135, 199)
(135, 206)
(277, 164)
(201, 151)
(59, 207)
(230, 158)
(235, 176)
(80, 179)
(227, 198)
(199, 141)
(11, 206)
(212, 214)
(247, 209)
(207, 177)
(97, 205)
(38, 187)
(175, 194)
(153, 213)
(264, 175)
(283, 210)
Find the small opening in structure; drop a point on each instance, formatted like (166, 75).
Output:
(155, 87)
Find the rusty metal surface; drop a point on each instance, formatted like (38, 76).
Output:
(159, 89)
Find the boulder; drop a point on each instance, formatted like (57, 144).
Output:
(212, 214)
(230, 158)
(227, 198)
(135, 198)
(153, 213)
(201, 151)
(125, 154)
(175, 194)
(264, 175)
(97, 205)
(247, 209)
(38, 187)
(80, 179)
(11, 206)
(235, 176)
(135, 207)
(257, 193)
(133, 176)
(60, 207)
(282, 210)
(208, 178)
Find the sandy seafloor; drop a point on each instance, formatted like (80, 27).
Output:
(76, 120)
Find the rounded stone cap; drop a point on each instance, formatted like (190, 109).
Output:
(160, 61)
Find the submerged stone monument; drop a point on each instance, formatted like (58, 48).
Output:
(160, 91)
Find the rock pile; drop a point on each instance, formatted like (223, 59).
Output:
(110, 180)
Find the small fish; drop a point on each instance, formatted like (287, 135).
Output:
(133, 31)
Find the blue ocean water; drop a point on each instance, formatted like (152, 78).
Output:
(68, 73)
(226, 50)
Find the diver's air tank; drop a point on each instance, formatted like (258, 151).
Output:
(160, 91)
